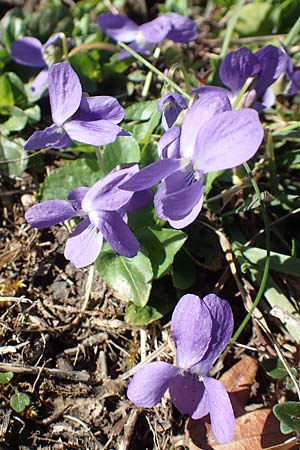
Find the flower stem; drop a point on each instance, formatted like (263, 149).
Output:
(230, 27)
(150, 74)
(294, 31)
(100, 159)
(153, 69)
(64, 46)
(267, 262)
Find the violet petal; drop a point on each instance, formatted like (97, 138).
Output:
(220, 409)
(100, 107)
(182, 30)
(118, 27)
(28, 51)
(156, 30)
(76, 196)
(169, 144)
(191, 327)
(64, 92)
(84, 244)
(116, 232)
(51, 212)
(227, 140)
(149, 384)
(273, 63)
(44, 138)
(40, 83)
(187, 394)
(97, 132)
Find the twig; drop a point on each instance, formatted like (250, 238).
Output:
(72, 375)
(128, 429)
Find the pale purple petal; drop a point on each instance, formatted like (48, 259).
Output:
(188, 395)
(149, 384)
(236, 67)
(84, 244)
(76, 197)
(152, 174)
(220, 409)
(52, 40)
(97, 132)
(178, 195)
(64, 92)
(28, 51)
(189, 218)
(183, 29)
(227, 140)
(191, 327)
(268, 98)
(51, 212)
(202, 110)
(118, 27)
(106, 194)
(101, 107)
(116, 232)
(45, 138)
(156, 30)
(40, 83)
(222, 327)
(169, 144)
(273, 63)
(140, 47)
(171, 106)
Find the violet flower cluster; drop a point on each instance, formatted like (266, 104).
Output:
(91, 120)
(103, 209)
(142, 38)
(201, 330)
(265, 66)
(29, 51)
(212, 137)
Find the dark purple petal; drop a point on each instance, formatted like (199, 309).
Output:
(207, 106)
(220, 409)
(118, 27)
(28, 51)
(106, 195)
(169, 143)
(156, 30)
(116, 232)
(222, 327)
(237, 67)
(183, 29)
(84, 244)
(97, 132)
(76, 197)
(40, 83)
(171, 106)
(51, 212)
(64, 92)
(227, 140)
(149, 384)
(273, 63)
(152, 174)
(188, 395)
(52, 40)
(191, 327)
(295, 85)
(139, 200)
(64, 142)
(45, 138)
(181, 194)
(101, 107)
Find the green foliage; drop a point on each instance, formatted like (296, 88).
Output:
(275, 368)
(73, 174)
(289, 415)
(13, 155)
(123, 151)
(129, 278)
(5, 377)
(19, 401)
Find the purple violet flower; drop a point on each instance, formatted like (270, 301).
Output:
(103, 210)
(171, 105)
(91, 120)
(29, 51)
(201, 330)
(266, 65)
(292, 73)
(212, 137)
(143, 37)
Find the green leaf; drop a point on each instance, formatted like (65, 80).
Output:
(19, 401)
(161, 246)
(278, 261)
(183, 271)
(16, 122)
(211, 177)
(73, 174)
(129, 278)
(289, 415)
(275, 368)
(5, 377)
(143, 131)
(141, 316)
(12, 150)
(123, 150)
(290, 159)
(254, 19)
(141, 111)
